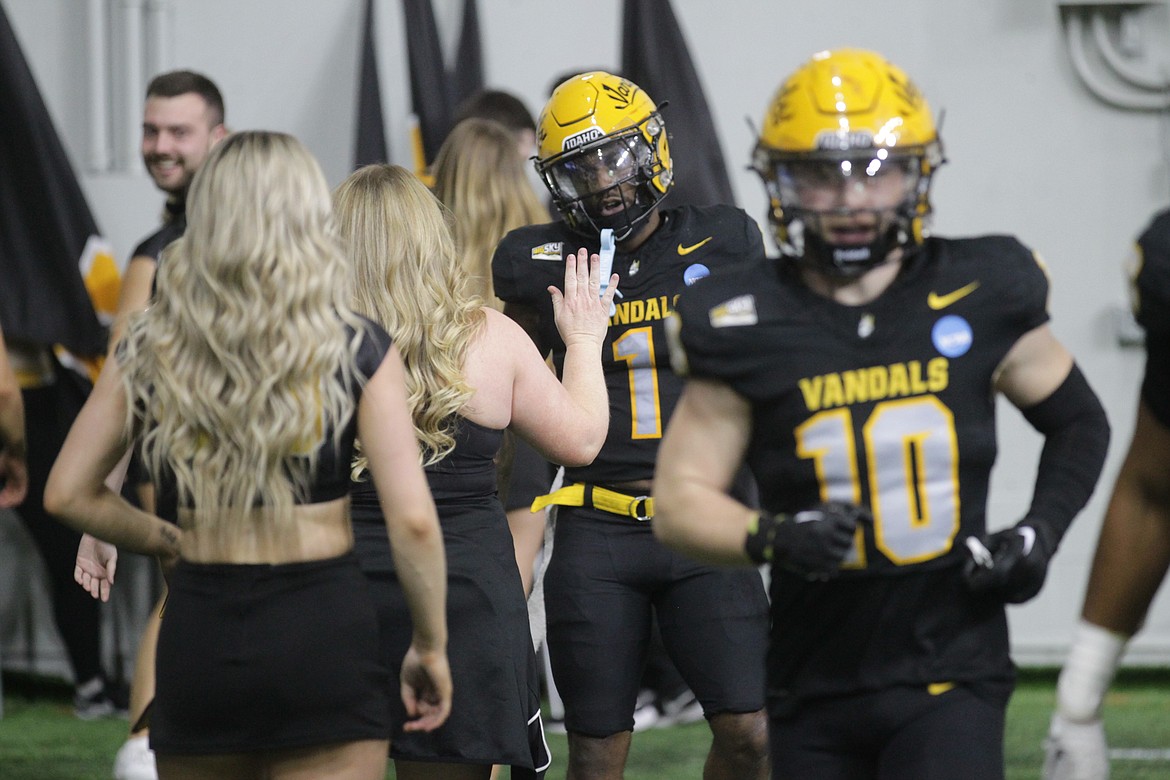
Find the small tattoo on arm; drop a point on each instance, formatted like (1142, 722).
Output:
(169, 535)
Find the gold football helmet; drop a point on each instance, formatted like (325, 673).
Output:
(847, 151)
(602, 153)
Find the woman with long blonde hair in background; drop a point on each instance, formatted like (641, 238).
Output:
(480, 178)
(471, 373)
(245, 384)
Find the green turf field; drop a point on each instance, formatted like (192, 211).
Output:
(41, 740)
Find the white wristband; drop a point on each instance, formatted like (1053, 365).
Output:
(1092, 662)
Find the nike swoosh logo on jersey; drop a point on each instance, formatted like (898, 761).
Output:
(936, 301)
(686, 250)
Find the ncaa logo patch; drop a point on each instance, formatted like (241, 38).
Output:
(695, 272)
(952, 336)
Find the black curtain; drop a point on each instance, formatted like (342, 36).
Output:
(467, 78)
(45, 221)
(370, 146)
(434, 91)
(656, 58)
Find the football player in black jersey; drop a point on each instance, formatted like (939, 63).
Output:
(857, 376)
(1133, 550)
(604, 156)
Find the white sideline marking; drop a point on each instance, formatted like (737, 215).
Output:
(1140, 754)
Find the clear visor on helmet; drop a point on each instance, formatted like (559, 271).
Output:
(873, 181)
(594, 170)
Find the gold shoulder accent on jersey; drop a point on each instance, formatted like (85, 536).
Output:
(678, 354)
(1133, 269)
(1042, 265)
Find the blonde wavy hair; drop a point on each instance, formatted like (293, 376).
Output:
(480, 177)
(408, 279)
(247, 354)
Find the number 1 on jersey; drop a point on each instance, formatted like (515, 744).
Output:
(636, 348)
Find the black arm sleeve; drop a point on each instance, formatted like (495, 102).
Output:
(1076, 437)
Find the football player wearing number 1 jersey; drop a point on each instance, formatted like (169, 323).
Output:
(857, 376)
(603, 154)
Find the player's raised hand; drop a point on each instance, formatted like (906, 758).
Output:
(581, 311)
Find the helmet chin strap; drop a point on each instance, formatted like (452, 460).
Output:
(622, 224)
(850, 261)
(619, 225)
(808, 248)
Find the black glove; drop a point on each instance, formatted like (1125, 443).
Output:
(812, 542)
(1009, 564)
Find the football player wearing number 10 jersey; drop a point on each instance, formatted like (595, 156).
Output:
(857, 376)
(603, 154)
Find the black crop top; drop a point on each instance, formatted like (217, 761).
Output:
(330, 478)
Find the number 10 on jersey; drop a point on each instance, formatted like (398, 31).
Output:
(911, 456)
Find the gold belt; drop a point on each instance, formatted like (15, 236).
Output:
(640, 508)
